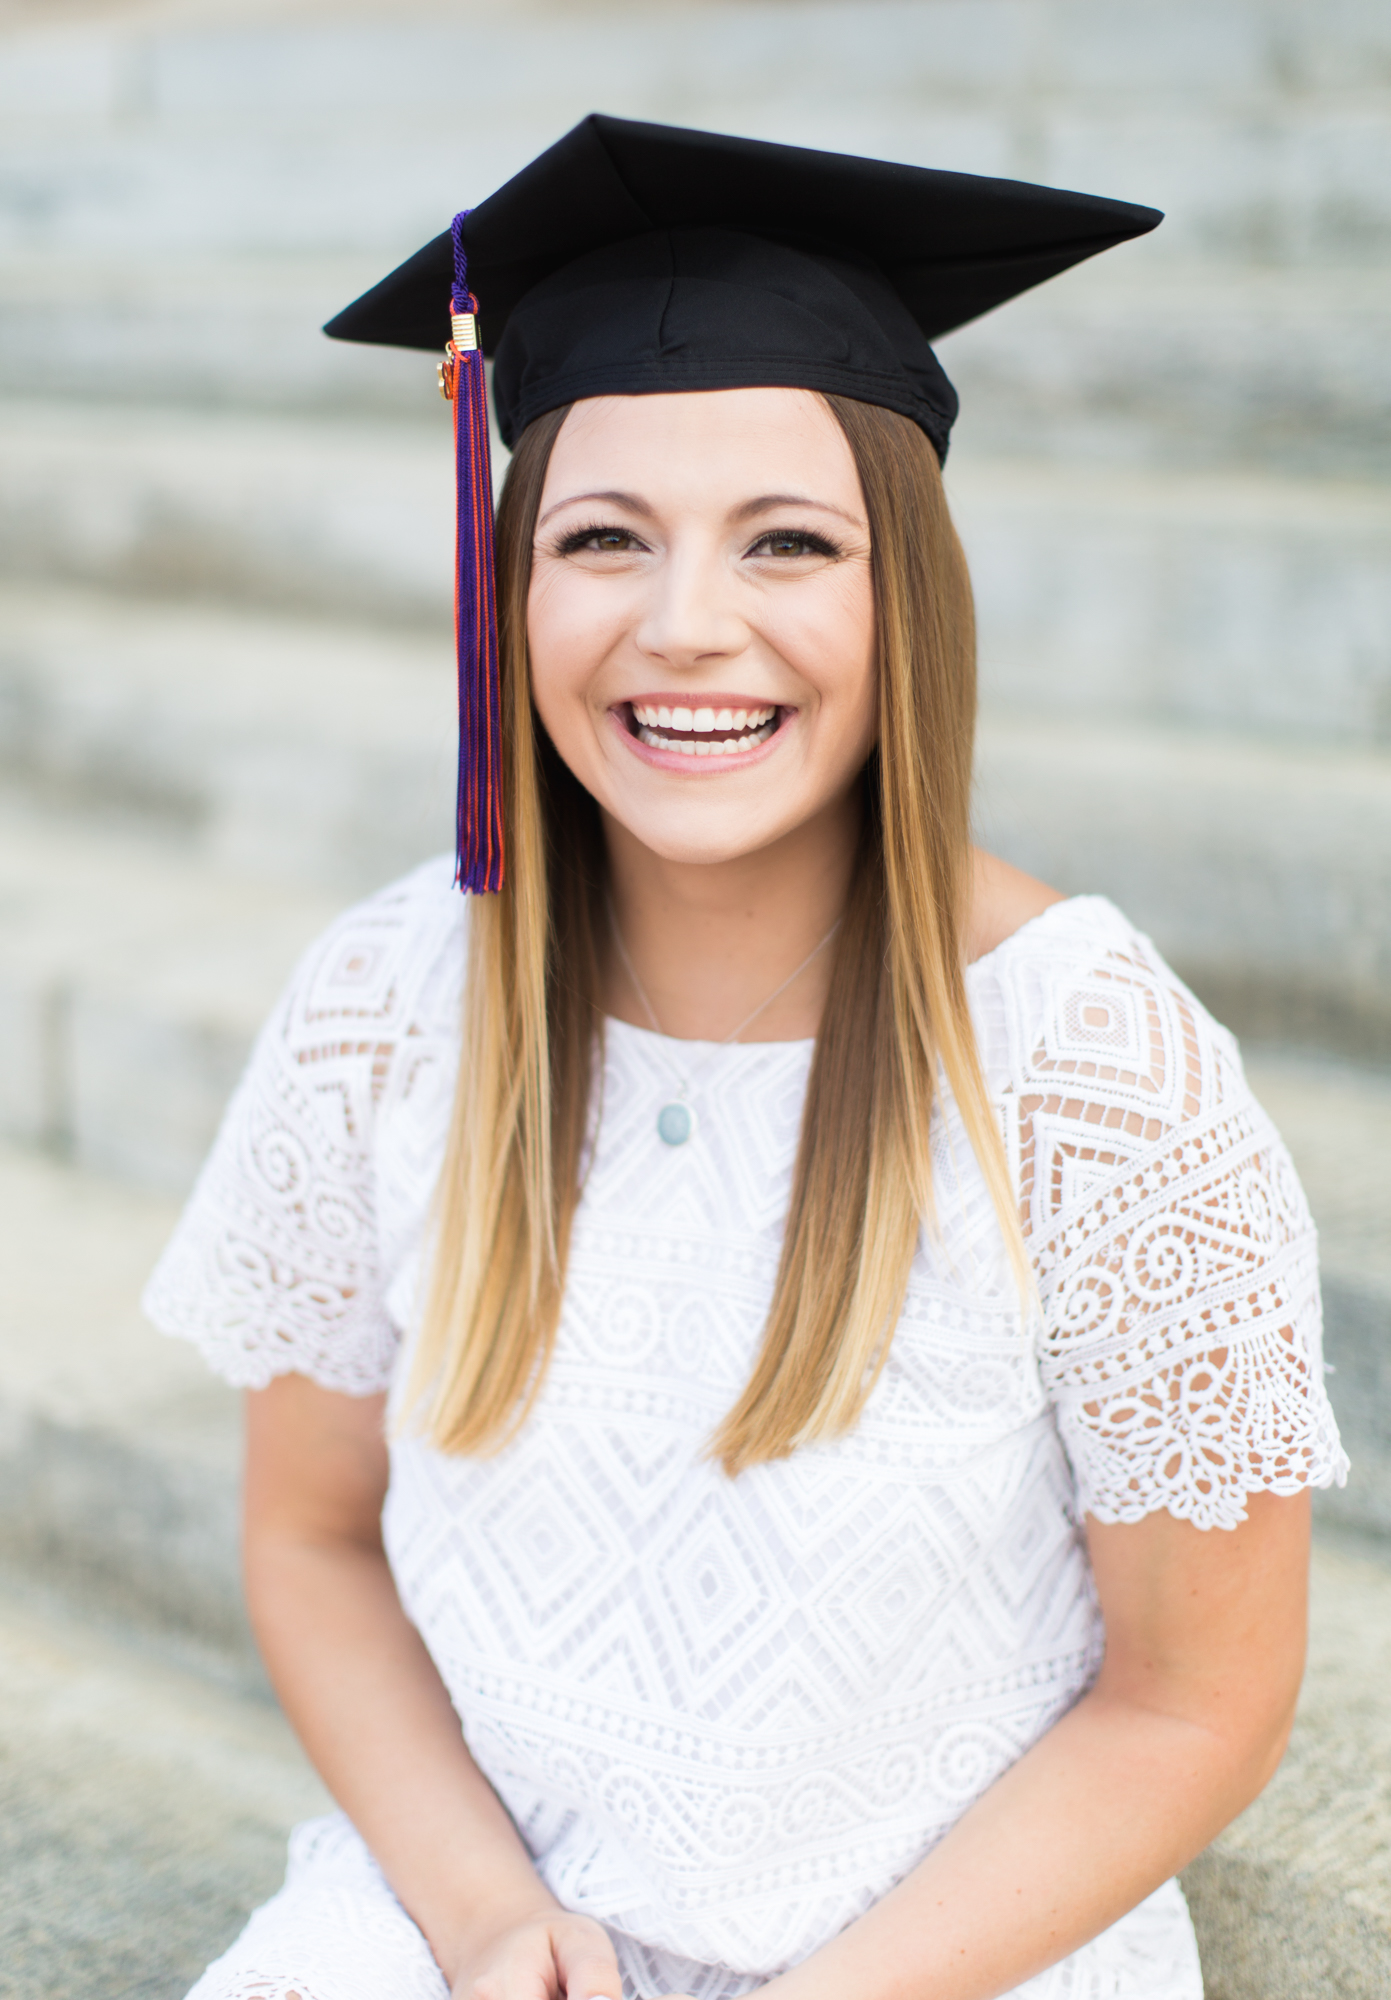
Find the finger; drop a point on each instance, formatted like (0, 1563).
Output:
(588, 1968)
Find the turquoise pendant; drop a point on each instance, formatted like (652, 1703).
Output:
(675, 1124)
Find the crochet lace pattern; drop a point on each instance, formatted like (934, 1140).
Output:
(728, 1715)
(1175, 1254)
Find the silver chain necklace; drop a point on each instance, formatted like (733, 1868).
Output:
(676, 1121)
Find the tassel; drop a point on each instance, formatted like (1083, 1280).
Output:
(479, 858)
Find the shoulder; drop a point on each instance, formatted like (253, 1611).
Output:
(389, 966)
(284, 1254)
(1003, 898)
(373, 1003)
(1078, 992)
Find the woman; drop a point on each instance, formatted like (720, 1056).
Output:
(820, 1374)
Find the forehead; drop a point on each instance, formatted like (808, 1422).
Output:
(784, 440)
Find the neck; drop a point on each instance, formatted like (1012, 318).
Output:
(711, 940)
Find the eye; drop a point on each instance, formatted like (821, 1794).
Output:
(599, 539)
(788, 544)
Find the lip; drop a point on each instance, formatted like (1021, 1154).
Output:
(697, 767)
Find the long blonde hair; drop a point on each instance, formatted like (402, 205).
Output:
(896, 1009)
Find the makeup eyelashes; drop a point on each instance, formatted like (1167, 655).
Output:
(812, 544)
(569, 544)
(809, 542)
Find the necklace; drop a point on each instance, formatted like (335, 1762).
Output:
(676, 1121)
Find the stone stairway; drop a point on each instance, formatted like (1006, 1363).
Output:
(225, 693)
(1171, 469)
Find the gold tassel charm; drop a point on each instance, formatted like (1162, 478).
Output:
(464, 327)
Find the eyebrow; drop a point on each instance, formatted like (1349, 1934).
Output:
(767, 501)
(631, 501)
(764, 504)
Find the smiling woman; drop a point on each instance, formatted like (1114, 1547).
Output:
(783, 1357)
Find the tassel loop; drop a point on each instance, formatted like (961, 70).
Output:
(479, 863)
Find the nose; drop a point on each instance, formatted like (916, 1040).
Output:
(690, 617)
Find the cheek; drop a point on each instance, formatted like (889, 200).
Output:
(570, 631)
(829, 635)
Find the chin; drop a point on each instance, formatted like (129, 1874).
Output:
(699, 846)
(700, 854)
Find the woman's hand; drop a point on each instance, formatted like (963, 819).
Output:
(550, 1956)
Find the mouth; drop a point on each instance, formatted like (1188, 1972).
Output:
(723, 730)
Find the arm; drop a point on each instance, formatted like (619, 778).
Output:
(363, 1695)
(1185, 1724)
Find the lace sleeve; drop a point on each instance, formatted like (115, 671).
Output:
(275, 1266)
(1175, 1253)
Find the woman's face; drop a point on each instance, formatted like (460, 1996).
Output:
(701, 617)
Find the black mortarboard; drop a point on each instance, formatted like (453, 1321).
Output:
(633, 258)
(630, 259)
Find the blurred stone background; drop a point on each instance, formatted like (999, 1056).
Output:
(225, 708)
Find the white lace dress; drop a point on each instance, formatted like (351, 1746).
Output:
(728, 1715)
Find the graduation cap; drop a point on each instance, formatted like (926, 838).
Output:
(634, 259)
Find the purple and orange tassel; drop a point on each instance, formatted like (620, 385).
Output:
(479, 863)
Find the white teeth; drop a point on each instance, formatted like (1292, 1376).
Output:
(700, 721)
(686, 747)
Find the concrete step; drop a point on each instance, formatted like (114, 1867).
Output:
(1133, 360)
(1258, 603)
(1261, 869)
(261, 348)
(146, 1786)
(1293, 1901)
(1224, 600)
(1140, 361)
(342, 519)
(119, 1452)
(1262, 128)
(144, 1804)
(1336, 1120)
(132, 980)
(297, 751)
